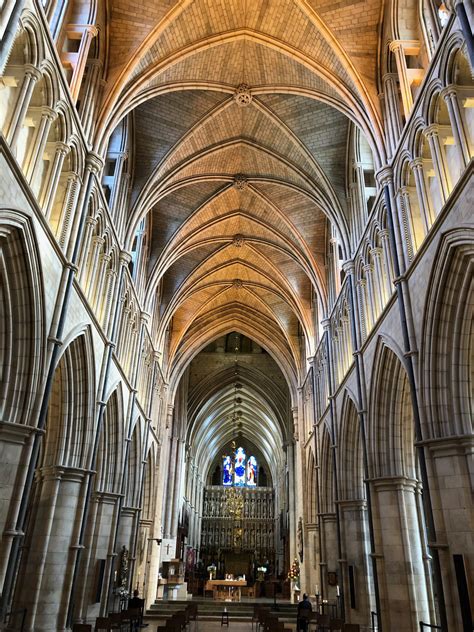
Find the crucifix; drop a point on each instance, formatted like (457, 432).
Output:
(168, 549)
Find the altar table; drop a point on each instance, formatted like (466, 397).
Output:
(226, 589)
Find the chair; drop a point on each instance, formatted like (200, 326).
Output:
(313, 619)
(303, 619)
(323, 622)
(81, 627)
(225, 619)
(102, 623)
(256, 610)
(336, 624)
(262, 616)
(351, 627)
(193, 613)
(116, 619)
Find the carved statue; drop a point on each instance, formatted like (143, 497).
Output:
(124, 566)
(300, 538)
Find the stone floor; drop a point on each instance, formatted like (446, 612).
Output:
(214, 626)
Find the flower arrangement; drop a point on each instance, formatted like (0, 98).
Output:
(211, 569)
(294, 572)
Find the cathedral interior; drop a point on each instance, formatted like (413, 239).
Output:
(236, 307)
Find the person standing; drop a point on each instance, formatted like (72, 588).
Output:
(303, 615)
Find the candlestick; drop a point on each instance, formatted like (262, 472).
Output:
(337, 591)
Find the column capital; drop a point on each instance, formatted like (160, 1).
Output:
(326, 324)
(62, 148)
(125, 257)
(449, 92)
(416, 164)
(145, 317)
(376, 251)
(94, 162)
(48, 112)
(384, 175)
(32, 72)
(348, 266)
(431, 130)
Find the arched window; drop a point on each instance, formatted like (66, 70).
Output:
(252, 472)
(238, 471)
(239, 467)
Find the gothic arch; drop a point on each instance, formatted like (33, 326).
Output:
(21, 318)
(448, 338)
(391, 431)
(69, 427)
(350, 452)
(110, 449)
(327, 474)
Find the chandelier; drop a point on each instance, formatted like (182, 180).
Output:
(234, 496)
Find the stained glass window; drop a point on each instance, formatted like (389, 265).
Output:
(239, 467)
(239, 471)
(252, 472)
(227, 472)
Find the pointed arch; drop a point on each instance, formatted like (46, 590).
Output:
(391, 433)
(448, 337)
(21, 318)
(350, 453)
(69, 426)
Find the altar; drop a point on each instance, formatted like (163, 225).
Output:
(226, 589)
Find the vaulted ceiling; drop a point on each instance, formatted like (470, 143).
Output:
(242, 112)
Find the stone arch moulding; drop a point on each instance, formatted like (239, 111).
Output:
(118, 99)
(389, 438)
(178, 369)
(447, 338)
(23, 327)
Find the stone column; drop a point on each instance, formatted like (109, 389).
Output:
(389, 273)
(416, 166)
(91, 223)
(98, 545)
(291, 500)
(381, 293)
(32, 75)
(88, 108)
(68, 209)
(37, 151)
(403, 594)
(394, 123)
(408, 224)
(407, 99)
(45, 577)
(15, 446)
(363, 308)
(92, 272)
(52, 180)
(451, 482)
(457, 123)
(439, 161)
(177, 495)
(357, 553)
(371, 304)
(89, 32)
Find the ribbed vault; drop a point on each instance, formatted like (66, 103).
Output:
(238, 402)
(242, 116)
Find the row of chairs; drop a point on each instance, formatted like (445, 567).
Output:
(326, 623)
(266, 621)
(181, 620)
(263, 620)
(130, 619)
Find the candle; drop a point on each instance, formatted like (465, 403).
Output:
(317, 589)
(337, 590)
(115, 577)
